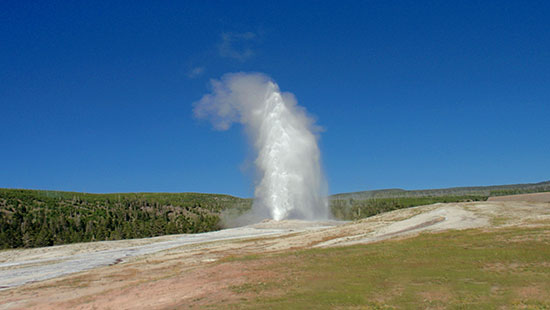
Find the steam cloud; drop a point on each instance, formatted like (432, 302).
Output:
(290, 181)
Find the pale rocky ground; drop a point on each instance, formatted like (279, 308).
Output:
(185, 270)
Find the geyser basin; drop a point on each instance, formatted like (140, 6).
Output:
(290, 180)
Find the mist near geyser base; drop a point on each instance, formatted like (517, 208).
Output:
(290, 181)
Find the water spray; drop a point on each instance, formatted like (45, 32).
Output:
(290, 180)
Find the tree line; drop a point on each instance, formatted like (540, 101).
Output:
(42, 218)
(31, 218)
(353, 209)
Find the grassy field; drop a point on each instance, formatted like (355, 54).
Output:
(472, 269)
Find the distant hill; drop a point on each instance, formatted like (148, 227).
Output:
(494, 190)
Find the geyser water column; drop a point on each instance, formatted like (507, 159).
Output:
(290, 180)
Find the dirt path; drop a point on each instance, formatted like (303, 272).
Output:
(184, 270)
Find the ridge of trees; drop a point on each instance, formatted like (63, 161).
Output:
(31, 218)
(493, 190)
(354, 209)
(36, 218)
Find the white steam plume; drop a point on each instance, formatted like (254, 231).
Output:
(291, 183)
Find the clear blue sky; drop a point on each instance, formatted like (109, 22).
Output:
(97, 96)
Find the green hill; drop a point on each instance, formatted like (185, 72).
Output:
(33, 218)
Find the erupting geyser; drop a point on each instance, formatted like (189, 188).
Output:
(291, 183)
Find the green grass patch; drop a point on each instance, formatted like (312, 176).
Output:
(503, 269)
(240, 258)
(256, 287)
